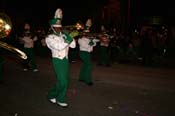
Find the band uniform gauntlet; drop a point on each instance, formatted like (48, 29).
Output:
(91, 43)
(68, 39)
(74, 34)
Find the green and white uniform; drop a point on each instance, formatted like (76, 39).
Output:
(59, 45)
(86, 47)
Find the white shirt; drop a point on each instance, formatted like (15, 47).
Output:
(28, 41)
(84, 44)
(104, 41)
(58, 46)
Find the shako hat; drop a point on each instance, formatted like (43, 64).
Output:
(88, 25)
(56, 21)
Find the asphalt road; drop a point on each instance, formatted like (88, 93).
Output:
(119, 90)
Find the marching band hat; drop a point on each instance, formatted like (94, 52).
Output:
(88, 25)
(56, 21)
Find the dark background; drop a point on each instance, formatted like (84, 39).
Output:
(39, 12)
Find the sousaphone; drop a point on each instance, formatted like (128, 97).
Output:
(5, 29)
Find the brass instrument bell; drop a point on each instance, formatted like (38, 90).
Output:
(5, 29)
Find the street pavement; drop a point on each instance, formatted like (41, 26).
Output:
(119, 90)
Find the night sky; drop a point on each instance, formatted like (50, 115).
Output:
(156, 7)
(43, 10)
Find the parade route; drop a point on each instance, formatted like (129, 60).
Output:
(119, 90)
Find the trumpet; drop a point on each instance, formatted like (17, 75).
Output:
(79, 30)
(78, 26)
(5, 29)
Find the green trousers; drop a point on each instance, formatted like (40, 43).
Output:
(59, 90)
(103, 56)
(86, 68)
(30, 58)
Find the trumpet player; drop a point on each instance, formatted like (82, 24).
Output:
(104, 50)
(59, 42)
(86, 45)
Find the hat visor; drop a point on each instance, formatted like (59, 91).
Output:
(57, 25)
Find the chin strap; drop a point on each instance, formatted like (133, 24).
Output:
(57, 33)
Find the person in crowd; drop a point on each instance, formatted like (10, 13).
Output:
(147, 48)
(114, 46)
(28, 39)
(42, 49)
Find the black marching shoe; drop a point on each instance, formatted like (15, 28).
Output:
(90, 83)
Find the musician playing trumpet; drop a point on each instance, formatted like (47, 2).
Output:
(86, 45)
(59, 42)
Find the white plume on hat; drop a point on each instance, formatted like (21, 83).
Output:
(56, 21)
(88, 25)
(58, 14)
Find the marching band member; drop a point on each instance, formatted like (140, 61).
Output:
(59, 42)
(28, 40)
(104, 49)
(86, 45)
